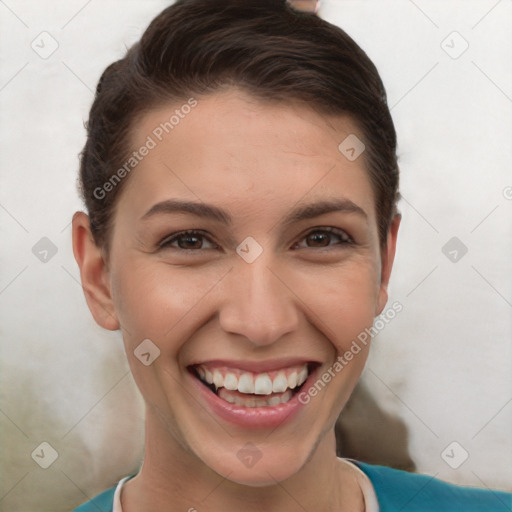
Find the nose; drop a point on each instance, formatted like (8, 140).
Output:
(259, 304)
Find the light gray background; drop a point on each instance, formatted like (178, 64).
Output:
(443, 365)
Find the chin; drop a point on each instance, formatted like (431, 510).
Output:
(256, 467)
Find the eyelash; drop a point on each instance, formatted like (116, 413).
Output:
(345, 239)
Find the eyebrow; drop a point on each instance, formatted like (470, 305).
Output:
(209, 211)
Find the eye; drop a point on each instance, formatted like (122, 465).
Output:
(187, 240)
(195, 240)
(321, 237)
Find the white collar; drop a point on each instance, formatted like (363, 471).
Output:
(117, 496)
(370, 498)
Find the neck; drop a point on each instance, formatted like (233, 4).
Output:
(174, 479)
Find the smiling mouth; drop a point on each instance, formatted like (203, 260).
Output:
(251, 389)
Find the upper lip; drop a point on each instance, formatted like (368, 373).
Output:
(256, 366)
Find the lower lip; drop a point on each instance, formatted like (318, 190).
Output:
(267, 417)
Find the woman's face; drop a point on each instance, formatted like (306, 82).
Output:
(274, 286)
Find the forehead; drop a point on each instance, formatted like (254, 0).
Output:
(231, 147)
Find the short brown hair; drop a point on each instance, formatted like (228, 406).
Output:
(195, 47)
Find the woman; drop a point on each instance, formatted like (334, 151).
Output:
(241, 181)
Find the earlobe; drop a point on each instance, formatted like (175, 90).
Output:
(93, 273)
(387, 257)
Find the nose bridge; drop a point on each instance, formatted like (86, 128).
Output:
(258, 304)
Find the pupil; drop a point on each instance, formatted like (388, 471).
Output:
(189, 240)
(317, 237)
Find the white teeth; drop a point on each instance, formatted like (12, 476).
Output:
(255, 401)
(250, 383)
(239, 401)
(208, 376)
(231, 382)
(280, 383)
(303, 375)
(274, 400)
(292, 380)
(263, 384)
(229, 398)
(286, 396)
(201, 372)
(246, 383)
(218, 380)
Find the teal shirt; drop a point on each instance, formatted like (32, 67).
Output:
(397, 491)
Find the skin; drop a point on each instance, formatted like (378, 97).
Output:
(302, 297)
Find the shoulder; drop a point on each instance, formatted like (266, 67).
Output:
(398, 490)
(103, 502)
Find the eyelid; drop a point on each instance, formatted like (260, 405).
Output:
(174, 236)
(345, 238)
(340, 233)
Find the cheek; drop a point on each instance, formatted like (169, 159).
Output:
(151, 300)
(343, 300)
(157, 301)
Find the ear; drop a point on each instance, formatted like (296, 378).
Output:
(94, 273)
(387, 258)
